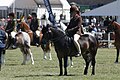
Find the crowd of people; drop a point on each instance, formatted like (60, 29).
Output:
(11, 24)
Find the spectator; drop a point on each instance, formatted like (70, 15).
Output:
(3, 38)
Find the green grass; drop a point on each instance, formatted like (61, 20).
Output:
(106, 69)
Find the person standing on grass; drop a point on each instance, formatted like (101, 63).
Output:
(3, 38)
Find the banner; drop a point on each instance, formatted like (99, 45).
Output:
(48, 7)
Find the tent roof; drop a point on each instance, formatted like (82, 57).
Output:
(4, 4)
(32, 4)
(111, 9)
(55, 3)
(27, 4)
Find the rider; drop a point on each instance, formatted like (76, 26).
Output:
(10, 26)
(34, 26)
(74, 28)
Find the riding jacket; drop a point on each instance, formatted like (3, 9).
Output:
(74, 26)
(10, 26)
(34, 24)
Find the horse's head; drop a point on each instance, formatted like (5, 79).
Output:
(46, 32)
(110, 27)
(51, 33)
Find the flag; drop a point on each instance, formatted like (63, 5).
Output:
(48, 7)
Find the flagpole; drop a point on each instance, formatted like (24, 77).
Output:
(49, 9)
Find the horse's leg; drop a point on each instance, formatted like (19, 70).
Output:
(71, 62)
(60, 65)
(44, 55)
(31, 55)
(86, 67)
(93, 66)
(117, 56)
(49, 55)
(24, 56)
(65, 65)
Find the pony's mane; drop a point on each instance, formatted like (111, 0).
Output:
(59, 29)
(116, 24)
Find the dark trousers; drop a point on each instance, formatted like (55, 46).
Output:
(2, 52)
(35, 39)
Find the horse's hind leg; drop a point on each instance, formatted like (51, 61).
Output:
(86, 67)
(65, 65)
(93, 66)
(44, 55)
(24, 58)
(31, 56)
(71, 62)
(60, 65)
(49, 55)
(117, 56)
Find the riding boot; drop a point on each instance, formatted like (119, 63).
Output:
(77, 45)
(78, 49)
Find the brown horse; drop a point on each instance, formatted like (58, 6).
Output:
(115, 27)
(65, 47)
(23, 26)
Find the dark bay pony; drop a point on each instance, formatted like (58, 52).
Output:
(114, 26)
(65, 47)
(23, 26)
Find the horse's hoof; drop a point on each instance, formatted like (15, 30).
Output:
(50, 59)
(60, 74)
(92, 74)
(23, 64)
(65, 74)
(116, 62)
(85, 73)
(33, 63)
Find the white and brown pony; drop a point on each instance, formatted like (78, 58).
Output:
(23, 26)
(23, 42)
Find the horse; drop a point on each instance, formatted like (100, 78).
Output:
(65, 47)
(115, 27)
(23, 26)
(22, 40)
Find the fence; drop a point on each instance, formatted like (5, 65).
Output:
(107, 39)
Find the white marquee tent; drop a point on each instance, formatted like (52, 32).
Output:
(111, 9)
(58, 6)
(4, 4)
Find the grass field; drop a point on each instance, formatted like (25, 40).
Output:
(106, 69)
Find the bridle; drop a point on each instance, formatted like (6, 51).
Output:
(56, 38)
